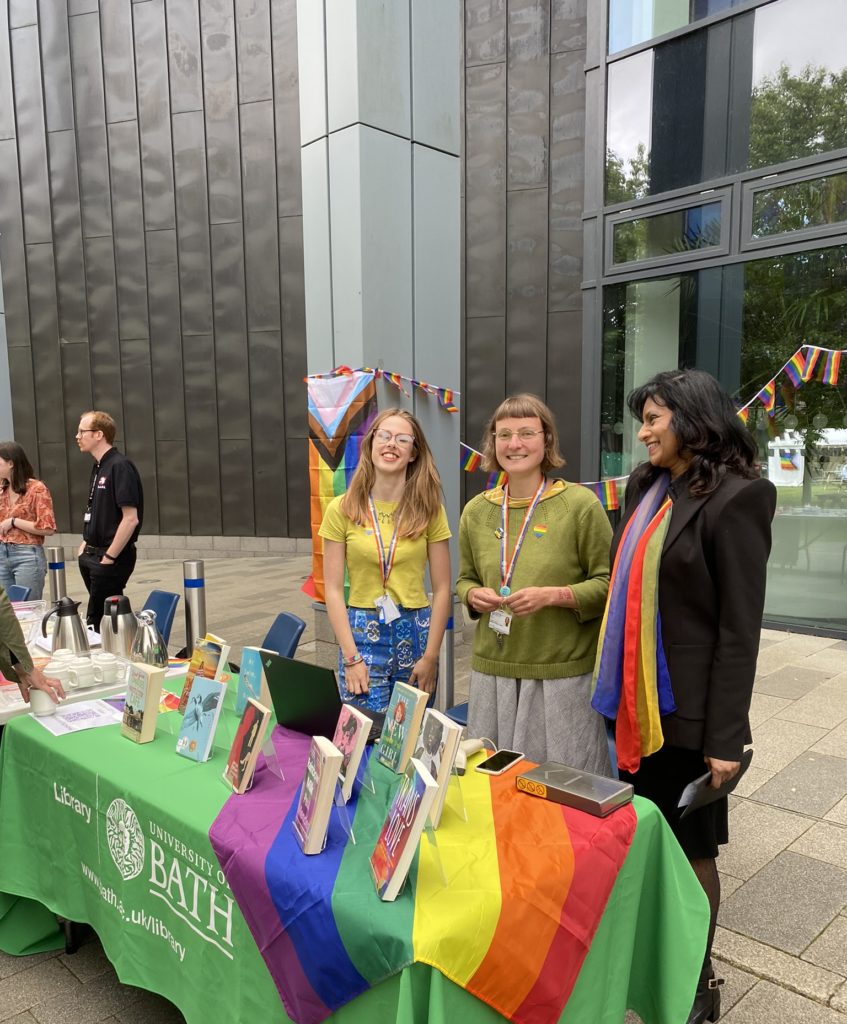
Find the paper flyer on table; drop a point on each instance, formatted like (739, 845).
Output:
(88, 714)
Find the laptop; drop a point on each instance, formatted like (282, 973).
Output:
(305, 697)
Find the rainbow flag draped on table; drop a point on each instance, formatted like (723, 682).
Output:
(326, 937)
(342, 405)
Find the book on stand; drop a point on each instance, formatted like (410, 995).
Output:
(351, 737)
(247, 745)
(141, 706)
(437, 746)
(401, 831)
(316, 794)
(201, 719)
(208, 661)
(252, 681)
(402, 725)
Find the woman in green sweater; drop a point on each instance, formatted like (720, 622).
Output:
(534, 570)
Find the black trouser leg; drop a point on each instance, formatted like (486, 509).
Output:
(104, 581)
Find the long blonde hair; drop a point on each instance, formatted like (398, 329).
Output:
(422, 494)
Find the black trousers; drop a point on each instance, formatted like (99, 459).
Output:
(104, 581)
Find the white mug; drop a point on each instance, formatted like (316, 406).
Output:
(41, 703)
(81, 673)
(60, 670)
(105, 667)
(63, 654)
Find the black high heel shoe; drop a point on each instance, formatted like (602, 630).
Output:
(707, 1002)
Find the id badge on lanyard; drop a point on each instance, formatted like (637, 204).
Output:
(501, 619)
(388, 610)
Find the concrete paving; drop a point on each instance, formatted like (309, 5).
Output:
(782, 935)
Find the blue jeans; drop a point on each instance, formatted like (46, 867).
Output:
(24, 564)
(389, 651)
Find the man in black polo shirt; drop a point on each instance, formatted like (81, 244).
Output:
(113, 515)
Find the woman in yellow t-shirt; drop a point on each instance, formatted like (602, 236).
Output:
(385, 529)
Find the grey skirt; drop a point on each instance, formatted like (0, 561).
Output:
(545, 719)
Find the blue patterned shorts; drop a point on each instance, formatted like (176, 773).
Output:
(390, 652)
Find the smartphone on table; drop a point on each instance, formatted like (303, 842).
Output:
(500, 762)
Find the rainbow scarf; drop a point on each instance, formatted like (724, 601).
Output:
(326, 937)
(631, 681)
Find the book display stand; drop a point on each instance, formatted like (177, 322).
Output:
(454, 785)
(271, 760)
(429, 831)
(343, 814)
(367, 781)
(170, 722)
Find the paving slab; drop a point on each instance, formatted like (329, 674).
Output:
(838, 813)
(829, 949)
(825, 706)
(789, 681)
(824, 841)
(736, 983)
(788, 903)
(812, 784)
(88, 962)
(100, 998)
(48, 979)
(827, 661)
(757, 833)
(764, 706)
(795, 649)
(768, 1002)
(729, 883)
(751, 780)
(150, 1008)
(772, 964)
(834, 743)
(778, 742)
(10, 965)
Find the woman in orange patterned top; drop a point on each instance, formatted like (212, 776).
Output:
(26, 518)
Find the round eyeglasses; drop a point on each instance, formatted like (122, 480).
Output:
(525, 434)
(403, 440)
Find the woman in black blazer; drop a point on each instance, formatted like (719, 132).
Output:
(711, 594)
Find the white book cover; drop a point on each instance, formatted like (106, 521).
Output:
(438, 744)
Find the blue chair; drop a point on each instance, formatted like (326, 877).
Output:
(163, 603)
(459, 713)
(16, 593)
(284, 634)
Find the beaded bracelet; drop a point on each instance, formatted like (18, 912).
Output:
(354, 659)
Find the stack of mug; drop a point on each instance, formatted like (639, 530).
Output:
(77, 672)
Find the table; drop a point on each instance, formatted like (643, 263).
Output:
(103, 831)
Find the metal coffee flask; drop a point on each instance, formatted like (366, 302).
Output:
(118, 626)
(69, 630)
(148, 645)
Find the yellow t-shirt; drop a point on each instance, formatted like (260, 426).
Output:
(406, 579)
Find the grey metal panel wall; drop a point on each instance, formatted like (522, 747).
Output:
(524, 139)
(151, 246)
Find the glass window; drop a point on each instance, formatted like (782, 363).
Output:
(799, 206)
(667, 234)
(799, 90)
(763, 88)
(743, 323)
(635, 21)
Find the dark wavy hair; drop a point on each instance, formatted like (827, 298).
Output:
(706, 425)
(22, 470)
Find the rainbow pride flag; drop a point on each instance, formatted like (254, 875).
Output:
(796, 367)
(607, 493)
(787, 459)
(496, 479)
(327, 938)
(831, 368)
(767, 396)
(469, 458)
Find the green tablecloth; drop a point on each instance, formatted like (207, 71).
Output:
(103, 831)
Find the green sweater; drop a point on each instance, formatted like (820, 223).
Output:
(566, 545)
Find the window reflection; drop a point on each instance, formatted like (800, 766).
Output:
(635, 21)
(628, 128)
(800, 206)
(667, 234)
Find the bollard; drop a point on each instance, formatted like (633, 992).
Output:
(56, 573)
(444, 690)
(194, 583)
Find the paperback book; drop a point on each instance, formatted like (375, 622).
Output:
(201, 719)
(141, 705)
(316, 794)
(252, 681)
(247, 745)
(208, 661)
(351, 737)
(402, 725)
(436, 750)
(401, 831)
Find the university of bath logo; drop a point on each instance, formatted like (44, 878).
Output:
(125, 839)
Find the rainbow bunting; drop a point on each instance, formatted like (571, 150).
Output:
(469, 458)
(606, 492)
(767, 396)
(829, 375)
(326, 939)
(744, 414)
(811, 362)
(795, 368)
(496, 479)
(445, 399)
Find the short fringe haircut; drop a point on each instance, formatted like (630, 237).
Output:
(520, 407)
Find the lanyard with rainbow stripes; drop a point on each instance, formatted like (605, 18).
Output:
(386, 559)
(507, 567)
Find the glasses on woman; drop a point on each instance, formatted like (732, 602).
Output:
(524, 434)
(403, 440)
